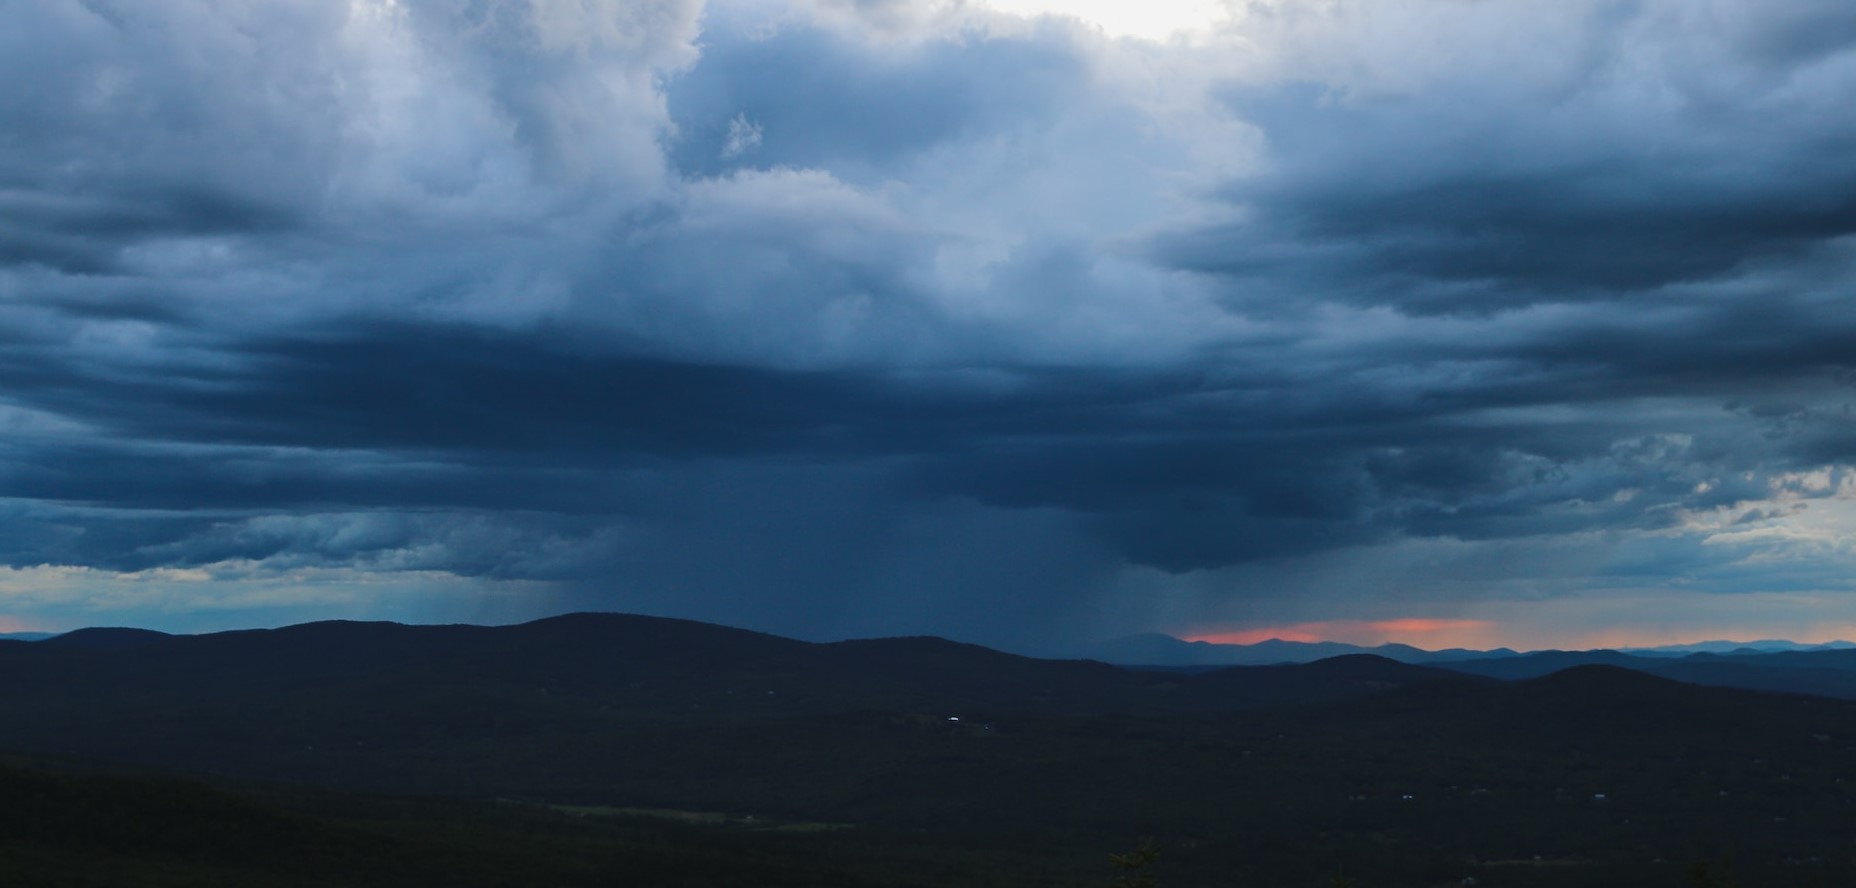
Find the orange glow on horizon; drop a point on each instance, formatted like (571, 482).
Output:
(1437, 633)
(1419, 631)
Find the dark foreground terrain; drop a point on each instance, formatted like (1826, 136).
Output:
(616, 750)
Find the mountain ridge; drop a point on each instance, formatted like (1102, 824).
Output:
(1158, 649)
(922, 735)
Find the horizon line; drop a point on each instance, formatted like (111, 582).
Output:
(1215, 639)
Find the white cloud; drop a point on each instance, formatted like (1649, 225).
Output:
(1149, 20)
(743, 137)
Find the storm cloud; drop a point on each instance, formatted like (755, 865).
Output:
(839, 319)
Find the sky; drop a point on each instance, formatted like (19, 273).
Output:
(1447, 322)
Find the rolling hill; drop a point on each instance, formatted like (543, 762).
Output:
(1252, 775)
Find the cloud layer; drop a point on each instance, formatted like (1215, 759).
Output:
(858, 318)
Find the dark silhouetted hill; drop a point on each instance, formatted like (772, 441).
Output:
(1539, 663)
(105, 639)
(1826, 673)
(1253, 775)
(1335, 678)
(393, 706)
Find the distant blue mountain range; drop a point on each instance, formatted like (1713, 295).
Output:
(1767, 646)
(1827, 670)
(1156, 649)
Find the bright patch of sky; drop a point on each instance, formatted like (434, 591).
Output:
(1152, 20)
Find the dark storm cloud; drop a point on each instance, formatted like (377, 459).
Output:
(121, 116)
(1637, 167)
(1551, 235)
(487, 394)
(1181, 470)
(1787, 34)
(85, 236)
(835, 328)
(469, 412)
